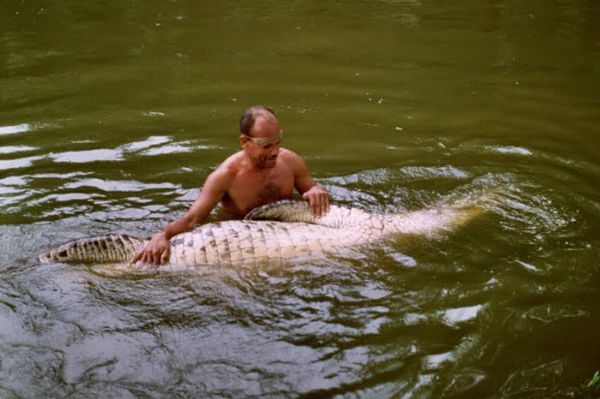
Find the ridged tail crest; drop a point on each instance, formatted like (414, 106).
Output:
(102, 249)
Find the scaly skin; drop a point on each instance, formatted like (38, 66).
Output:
(290, 230)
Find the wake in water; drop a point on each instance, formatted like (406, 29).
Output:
(522, 206)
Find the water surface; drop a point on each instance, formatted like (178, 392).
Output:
(112, 115)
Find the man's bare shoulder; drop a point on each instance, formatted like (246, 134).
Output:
(227, 171)
(289, 155)
(291, 158)
(231, 165)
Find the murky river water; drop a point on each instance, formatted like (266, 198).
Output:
(112, 114)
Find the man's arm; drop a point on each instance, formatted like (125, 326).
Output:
(157, 250)
(317, 196)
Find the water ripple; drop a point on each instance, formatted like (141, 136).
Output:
(116, 185)
(457, 316)
(14, 149)
(151, 141)
(88, 156)
(20, 163)
(511, 150)
(14, 129)
(152, 146)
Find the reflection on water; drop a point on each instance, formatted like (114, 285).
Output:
(112, 114)
(12, 149)
(19, 163)
(88, 156)
(5, 130)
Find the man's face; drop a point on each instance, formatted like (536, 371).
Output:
(262, 146)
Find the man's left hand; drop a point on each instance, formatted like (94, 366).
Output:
(318, 199)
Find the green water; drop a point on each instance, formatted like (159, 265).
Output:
(112, 114)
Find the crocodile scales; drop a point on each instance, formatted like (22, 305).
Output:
(274, 232)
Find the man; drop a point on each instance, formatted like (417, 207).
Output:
(262, 172)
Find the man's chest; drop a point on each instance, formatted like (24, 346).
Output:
(270, 184)
(248, 192)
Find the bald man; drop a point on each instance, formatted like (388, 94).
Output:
(262, 172)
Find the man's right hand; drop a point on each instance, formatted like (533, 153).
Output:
(156, 251)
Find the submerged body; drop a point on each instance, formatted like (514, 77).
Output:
(290, 230)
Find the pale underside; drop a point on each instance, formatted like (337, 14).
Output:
(291, 231)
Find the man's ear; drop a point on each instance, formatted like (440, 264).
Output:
(243, 140)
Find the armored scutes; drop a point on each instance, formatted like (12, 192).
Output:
(274, 232)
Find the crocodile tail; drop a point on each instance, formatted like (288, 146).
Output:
(430, 222)
(104, 249)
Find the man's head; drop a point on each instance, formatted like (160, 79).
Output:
(260, 136)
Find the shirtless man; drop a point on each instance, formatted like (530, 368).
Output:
(262, 172)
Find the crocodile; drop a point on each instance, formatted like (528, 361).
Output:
(271, 233)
